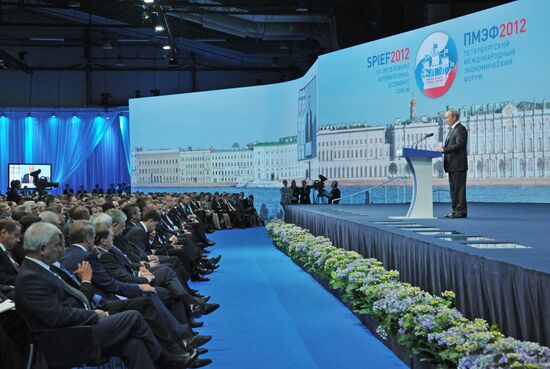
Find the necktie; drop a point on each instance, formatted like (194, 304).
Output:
(98, 300)
(119, 251)
(72, 290)
(13, 262)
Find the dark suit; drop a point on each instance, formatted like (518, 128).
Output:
(138, 236)
(334, 197)
(160, 326)
(121, 268)
(100, 278)
(48, 302)
(13, 195)
(455, 163)
(8, 271)
(14, 339)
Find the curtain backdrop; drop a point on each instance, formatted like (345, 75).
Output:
(85, 147)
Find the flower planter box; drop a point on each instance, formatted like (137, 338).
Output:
(391, 342)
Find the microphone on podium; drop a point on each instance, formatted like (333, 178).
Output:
(427, 135)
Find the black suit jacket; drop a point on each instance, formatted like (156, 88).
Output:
(86, 288)
(132, 251)
(120, 267)
(137, 236)
(455, 156)
(46, 301)
(7, 272)
(13, 195)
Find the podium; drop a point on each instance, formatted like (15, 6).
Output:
(420, 163)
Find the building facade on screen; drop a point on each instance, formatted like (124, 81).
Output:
(278, 160)
(156, 166)
(232, 165)
(353, 151)
(507, 140)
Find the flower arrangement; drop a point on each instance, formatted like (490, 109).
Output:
(429, 326)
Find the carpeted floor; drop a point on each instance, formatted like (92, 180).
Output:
(273, 315)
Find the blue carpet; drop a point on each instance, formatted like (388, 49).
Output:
(273, 315)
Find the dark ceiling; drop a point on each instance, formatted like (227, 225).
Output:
(282, 35)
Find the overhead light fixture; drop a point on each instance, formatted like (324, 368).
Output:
(210, 40)
(133, 40)
(107, 45)
(159, 28)
(166, 47)
(53, 115)
(302, 7)
(48, 39)
(148, 1)
(119, 61)
(173, 61)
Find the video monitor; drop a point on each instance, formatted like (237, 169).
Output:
(22, 172)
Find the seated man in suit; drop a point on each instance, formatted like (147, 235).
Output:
(82, 234)
(48, 302)
(10, 232)
(133, 216)
(178, 349)
(139, 236)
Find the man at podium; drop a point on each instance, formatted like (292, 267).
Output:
(455, 163)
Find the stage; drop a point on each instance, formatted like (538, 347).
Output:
(497, 261)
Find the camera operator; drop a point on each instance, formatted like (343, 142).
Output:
(42, 183)
(305, 193)
(319, 186)
(13, 193)
(334, 196)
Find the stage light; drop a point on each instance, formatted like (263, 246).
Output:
(29, 115)
(149, 1)
(53, 115)
(107, 45)
(302, 7)
(159, 28)
(3, 115)
(166, 47)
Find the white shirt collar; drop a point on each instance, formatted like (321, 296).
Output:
(101, 248)
(144, 227)
(454, 125)
(41, 263)
(82, 247)
(2, 247)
